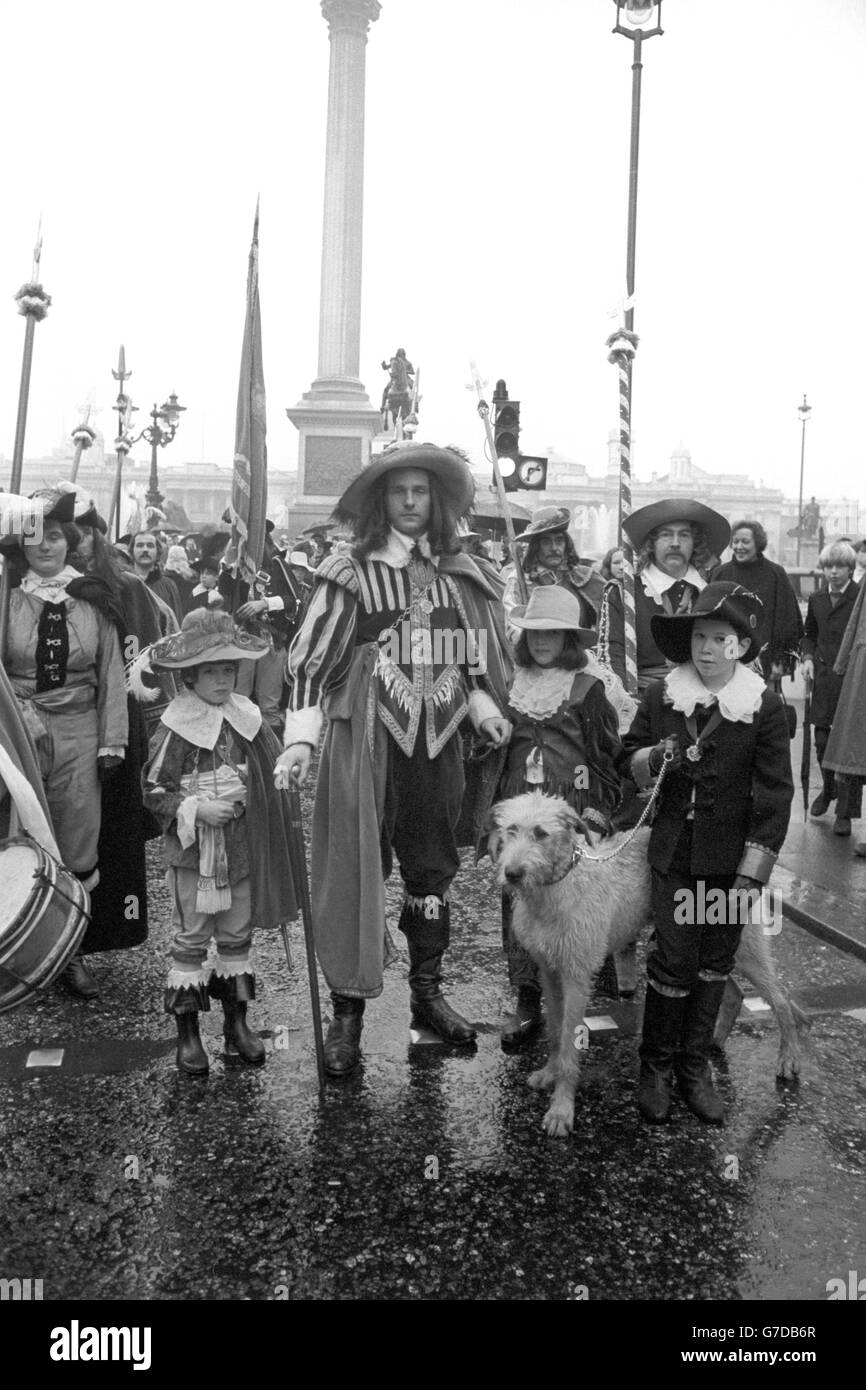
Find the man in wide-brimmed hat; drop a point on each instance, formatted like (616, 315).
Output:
(400, 642)
(550, 558)
(676, 541)
(722, 816)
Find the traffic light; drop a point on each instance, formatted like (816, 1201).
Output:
(531, 473)
(506, 435)
(520, 472)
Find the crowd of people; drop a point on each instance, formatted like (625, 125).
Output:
(431, 678)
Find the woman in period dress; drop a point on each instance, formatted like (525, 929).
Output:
(63, 659)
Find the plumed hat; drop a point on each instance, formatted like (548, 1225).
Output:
(205, 636)
(545, 521)
(728, 602)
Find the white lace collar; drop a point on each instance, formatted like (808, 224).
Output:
(49, 588)
(397, 549)
(200, 723)
(540, 691)
(738, 700)
(656, 582)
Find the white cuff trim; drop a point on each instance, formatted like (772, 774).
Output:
(303, 726)
(482, 706)
(276, 604)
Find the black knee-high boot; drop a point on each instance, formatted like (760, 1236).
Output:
(235, 992)
(660, 1040)
(428, 938)
(186, 1003)
(692, 1064)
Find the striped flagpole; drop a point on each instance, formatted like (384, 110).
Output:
(622, 346)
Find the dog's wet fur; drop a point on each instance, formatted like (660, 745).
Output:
(570, 913)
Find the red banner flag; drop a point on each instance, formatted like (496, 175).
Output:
(249, 502)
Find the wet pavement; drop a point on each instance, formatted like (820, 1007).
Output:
(426, 1174)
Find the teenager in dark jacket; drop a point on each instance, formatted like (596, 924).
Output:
(722, 816)
(827, 618)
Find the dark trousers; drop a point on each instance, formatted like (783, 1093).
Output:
(682, 950)
(848, 791)
(422, 807)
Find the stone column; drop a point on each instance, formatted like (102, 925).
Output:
(343, 223)
(335, 418)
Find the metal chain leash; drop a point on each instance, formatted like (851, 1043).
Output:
(580, 853)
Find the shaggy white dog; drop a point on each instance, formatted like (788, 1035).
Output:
(571, 912)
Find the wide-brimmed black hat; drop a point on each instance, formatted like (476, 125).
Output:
(638, 525)
(447, 466)
(545, 521)
(728, 602)
(205, 562)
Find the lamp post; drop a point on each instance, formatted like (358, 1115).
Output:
(643, 21)
(636, 21)
(159, 434)
(804, 411)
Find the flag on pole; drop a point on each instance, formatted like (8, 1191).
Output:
(249, 504)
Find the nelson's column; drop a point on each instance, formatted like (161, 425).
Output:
(335, 418)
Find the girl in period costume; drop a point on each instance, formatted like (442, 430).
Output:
(210, 770)
(118, 905)
(722, 816)
(64, 661)
(564, 742)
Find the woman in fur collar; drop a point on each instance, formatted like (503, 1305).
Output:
(722, 816)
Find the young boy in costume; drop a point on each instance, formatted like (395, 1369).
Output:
(209, 776)
(721, 819)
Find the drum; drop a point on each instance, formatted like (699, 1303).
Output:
(44, 912)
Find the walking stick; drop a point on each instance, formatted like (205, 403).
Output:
(298, 857)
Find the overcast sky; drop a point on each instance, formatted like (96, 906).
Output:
(495, 218)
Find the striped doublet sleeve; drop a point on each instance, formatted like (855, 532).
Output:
(321, 654)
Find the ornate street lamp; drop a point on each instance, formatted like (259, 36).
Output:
(637, 21)
(804, 411)
(159, 434)
(641, 22)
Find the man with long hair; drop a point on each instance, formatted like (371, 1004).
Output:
(550, 558)
(401, 642)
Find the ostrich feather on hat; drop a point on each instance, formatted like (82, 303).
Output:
(206, 635)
